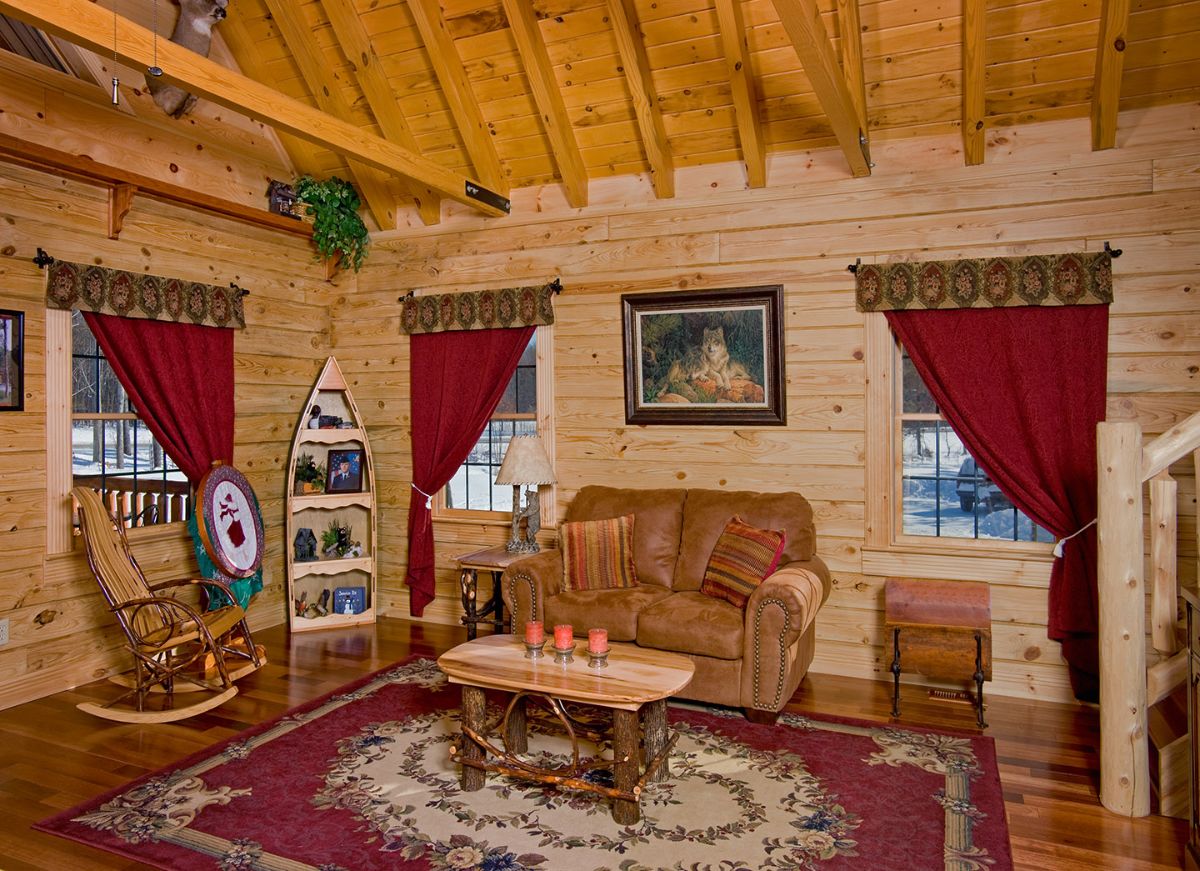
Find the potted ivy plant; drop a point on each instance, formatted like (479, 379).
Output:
(338, 231)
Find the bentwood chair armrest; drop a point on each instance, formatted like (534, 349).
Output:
(527, 583)
(202, 582)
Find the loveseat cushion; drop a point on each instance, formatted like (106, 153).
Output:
(692, 622)
(598, 554)
(658, 519)
(741, 558)
(614, 610)
(707, 511)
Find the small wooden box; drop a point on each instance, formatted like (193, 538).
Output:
(941, 629)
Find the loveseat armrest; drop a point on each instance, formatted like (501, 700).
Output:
(525, 585)
(778, 613)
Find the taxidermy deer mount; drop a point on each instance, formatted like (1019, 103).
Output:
(193, 30)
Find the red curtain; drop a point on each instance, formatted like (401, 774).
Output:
(457, 379)
(179, 377)
(1024, 388)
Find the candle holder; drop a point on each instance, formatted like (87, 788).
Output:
(534, 651)
(563, 655)
(598, 660)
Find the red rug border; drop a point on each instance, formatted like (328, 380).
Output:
(46, 824)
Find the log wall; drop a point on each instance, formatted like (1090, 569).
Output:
(61, 634)
(1041, 189)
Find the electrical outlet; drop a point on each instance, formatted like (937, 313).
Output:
(4, 630)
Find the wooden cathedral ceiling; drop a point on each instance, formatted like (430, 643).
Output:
(427, 94)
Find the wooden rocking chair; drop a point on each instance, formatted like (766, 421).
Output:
(176, 648)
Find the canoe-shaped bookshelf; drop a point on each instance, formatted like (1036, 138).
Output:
(331, 538)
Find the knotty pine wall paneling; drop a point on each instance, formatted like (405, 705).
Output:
(61, 632)
(1041, 189)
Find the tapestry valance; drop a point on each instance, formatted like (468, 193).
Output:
(481, 310)
(1039, 279)
(137, 295)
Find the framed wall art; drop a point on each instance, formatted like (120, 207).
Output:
(705, 357)
(345, 471)
(12, 360)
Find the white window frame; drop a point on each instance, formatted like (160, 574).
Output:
(887, 550)
(544, 379)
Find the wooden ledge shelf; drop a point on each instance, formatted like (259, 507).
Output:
(333, 566)
(331, 436)
(331, 500)
(124, 185)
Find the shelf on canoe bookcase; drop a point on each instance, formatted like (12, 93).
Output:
(315, 511)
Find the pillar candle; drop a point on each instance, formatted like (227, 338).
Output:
(534, 634)
(597, 640)
(563, 636)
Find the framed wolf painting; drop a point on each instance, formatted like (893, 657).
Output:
(705, 357)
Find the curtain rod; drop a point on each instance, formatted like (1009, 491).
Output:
(555, 285)
(853, 267)
(43, 260)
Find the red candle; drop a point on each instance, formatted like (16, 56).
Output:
(534, 633)
(597, 641)
(564, 636)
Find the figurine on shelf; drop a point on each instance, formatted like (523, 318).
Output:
(305, 545)
(300, 604)
(314, 419)
(355, 550)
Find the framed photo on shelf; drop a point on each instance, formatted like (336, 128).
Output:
(705, 357)
(12, 360)
(345, 471)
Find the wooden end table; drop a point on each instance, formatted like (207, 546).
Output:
(634, 686)
(941, 629)
(489, 559)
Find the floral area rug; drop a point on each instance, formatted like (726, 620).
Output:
(362, 779)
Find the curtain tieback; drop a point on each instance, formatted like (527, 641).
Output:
(1058, 545)
(429, 499)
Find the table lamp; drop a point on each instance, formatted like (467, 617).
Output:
(525, 462)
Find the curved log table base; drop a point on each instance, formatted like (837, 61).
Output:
(475, 747)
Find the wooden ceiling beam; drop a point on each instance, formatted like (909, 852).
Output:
(327, 91)
(802, 21)
(632, 48)
(548, 96)
(850, 25)
(745, 93)
(464, 106)
(973, 57)
(1110, 62)
(91, 26)
(355, 43)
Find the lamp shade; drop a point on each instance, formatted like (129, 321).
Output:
(525, 462)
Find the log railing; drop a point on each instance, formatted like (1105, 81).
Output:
(1127, 687)
(143, 504)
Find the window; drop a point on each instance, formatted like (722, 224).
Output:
(111, 450)
(943, 492)
(523, 410)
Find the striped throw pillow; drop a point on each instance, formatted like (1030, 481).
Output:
(598, 554)
(741, 559)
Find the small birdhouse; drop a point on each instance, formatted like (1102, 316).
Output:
(281, 199)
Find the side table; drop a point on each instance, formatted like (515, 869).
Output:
(941, 629)
(490, 559)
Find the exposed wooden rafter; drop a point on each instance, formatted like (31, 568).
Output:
(355, 44)
(1110, 62)
(91, 26)
(327, 91)
(850, 27)
(464, 107)
(745, 94)
(123, 185)
(802, 21)
(632, 48)
(974, 42)
(546, 94)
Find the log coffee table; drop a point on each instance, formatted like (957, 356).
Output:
(635, 686)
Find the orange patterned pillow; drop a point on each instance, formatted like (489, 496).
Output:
(741, 559)
(598, 554)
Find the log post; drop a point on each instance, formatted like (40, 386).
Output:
(1124, 753)
(1164, 585)
(473, 717)
(626, 764)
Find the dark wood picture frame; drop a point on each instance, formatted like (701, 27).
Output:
(352, 482)
(705, 357)
(12, 360)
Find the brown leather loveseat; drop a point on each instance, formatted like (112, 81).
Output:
(752, 658)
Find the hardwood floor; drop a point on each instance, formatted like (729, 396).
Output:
(53, 756)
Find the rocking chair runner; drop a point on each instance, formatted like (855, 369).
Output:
(171, 641)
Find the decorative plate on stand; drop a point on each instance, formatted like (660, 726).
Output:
(230, 522)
